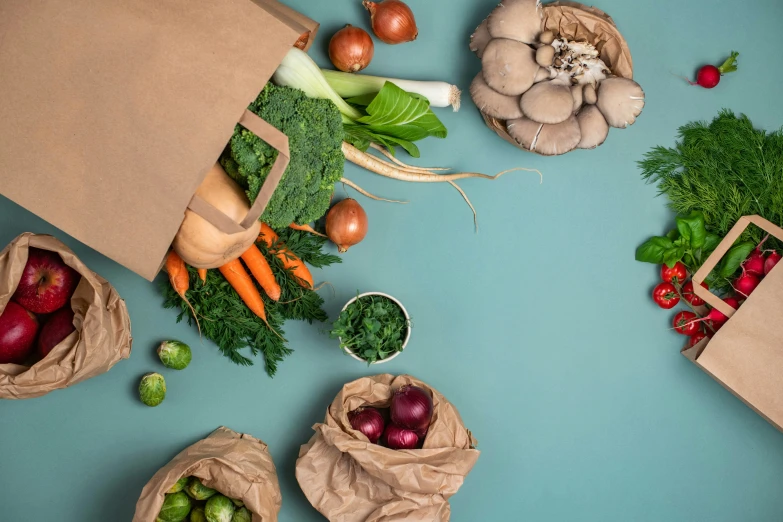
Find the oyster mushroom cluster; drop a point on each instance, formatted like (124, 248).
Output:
(555, 95)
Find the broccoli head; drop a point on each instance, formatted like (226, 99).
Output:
(315, 134)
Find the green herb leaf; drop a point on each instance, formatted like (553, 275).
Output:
(691, 227)
(396, 113)
(653, 250)
(673, 234)
(734, 258)
(711, 242)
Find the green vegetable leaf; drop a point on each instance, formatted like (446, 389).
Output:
(734, 258)
(398, 114)
(711, 242)
(672, 255)
(360, 137)
(691, 227)
(673, 234)
(363, 100)
(653, 250)
(730, 65)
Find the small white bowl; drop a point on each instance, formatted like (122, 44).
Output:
(404, 312)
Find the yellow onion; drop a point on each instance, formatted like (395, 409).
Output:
(392, 21)
(346, 224)
(351, 49)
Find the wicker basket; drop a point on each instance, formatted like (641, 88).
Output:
(579, 22)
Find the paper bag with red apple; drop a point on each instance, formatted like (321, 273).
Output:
(60, 323)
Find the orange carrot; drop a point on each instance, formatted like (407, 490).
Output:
(256, 263)
(290, 261)
(180, 280)
(305, 228)
(237, 276)
(202, 274)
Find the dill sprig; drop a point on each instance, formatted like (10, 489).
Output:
(725, 169)
(227, 321)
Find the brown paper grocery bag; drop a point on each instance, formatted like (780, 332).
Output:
(237, 465)
(112, 112)
(102, 336)
(746, 354)
(349, 479)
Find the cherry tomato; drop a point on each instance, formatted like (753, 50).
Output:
(666, 296)
(685, 323)
(689, 295)
(696, 339)
(675, 274)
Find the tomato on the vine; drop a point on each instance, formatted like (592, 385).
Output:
(696, 339)
(686, 323)
(689, 295)
(676, 274)
(666, 296)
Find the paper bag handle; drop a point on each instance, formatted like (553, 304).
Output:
(723, 247)
(276, 140)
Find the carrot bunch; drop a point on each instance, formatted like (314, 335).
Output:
(237, 276)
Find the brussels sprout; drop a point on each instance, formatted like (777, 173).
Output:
(152, 389)
(219, 509)
(197, 490)
(175, 508)
(242, 515)
(174, 355)
(179, 485)
(197, 515)
(237, 503)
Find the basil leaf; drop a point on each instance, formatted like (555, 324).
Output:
(672, 255)
(652, 250)
(691, 227)
(396, 113)
(711, 242)
(673, 234)
(734, 258)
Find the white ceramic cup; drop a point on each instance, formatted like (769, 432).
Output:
(407, 319)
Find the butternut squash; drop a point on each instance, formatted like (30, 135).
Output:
(199, 243)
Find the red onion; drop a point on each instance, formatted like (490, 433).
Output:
(411, 408)
(399, 438)
(368, 421)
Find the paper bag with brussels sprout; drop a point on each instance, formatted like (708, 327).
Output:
(60, 322)
(354, 475)
(227, 476)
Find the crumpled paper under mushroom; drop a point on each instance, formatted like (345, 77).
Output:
(349, 479)
(554, 78)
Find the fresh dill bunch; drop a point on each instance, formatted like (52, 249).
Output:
(228, 322)
(725, 169)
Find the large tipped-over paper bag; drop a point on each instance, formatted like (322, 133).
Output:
(112, 112)
(102, 336)
(237, 465)
(349, 479)
(746, 354)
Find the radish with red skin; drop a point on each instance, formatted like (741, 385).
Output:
(771, 261)
(754, 264)
(746, 283)
(709, 75)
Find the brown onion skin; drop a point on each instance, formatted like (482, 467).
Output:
(392, 21)
(346, 224)
(351, 49)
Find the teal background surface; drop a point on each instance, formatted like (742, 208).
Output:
(539, 328)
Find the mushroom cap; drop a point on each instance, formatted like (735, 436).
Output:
(577, 94)
(589, 95)
(593, 127)
(545, 55)
(508, 66)
(480, 38)
(516, 19)
(548, 102)
(524, 131)
(547, 37)
(559, 138)
(544, 73)
(491, 102)
(620, 100)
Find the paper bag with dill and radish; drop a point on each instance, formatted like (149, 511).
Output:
(746, 354)
(102, 336)
(349, 479)
(236, 465)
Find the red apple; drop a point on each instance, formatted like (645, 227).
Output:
(47, 282)
(57, 327)
(17, 333)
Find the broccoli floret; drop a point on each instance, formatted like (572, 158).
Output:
(315, 135)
